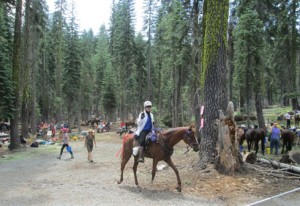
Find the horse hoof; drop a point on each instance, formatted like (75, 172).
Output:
(119, 182)
(178, 189)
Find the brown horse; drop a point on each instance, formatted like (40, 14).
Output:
(162, 149)
(288, 138)
(254, 136)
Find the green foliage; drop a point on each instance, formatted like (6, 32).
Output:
(71, 77)
(5, 65)
(248, 45)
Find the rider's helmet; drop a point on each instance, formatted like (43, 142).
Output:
(147, 104)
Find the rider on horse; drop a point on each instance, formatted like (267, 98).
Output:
(145, 125)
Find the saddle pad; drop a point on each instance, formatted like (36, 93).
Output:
(152, 136)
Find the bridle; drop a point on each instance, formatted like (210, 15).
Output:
(188, 137)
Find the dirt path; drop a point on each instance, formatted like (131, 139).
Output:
(35, 176)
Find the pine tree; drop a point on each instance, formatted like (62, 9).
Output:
(56, 56)
(248, 58)
(88, 92)
(14, 136)
(5, 64)
(71, 76)
(122, 50)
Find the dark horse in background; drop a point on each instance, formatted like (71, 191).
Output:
(254, 135)
(93, 121)
(162, 149)
(288, 137)
(297, 119)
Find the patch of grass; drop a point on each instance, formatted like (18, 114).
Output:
(28, 152)
(273, 112)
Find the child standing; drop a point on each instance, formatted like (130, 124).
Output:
(65, 140)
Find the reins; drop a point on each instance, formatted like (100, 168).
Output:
(169, 151)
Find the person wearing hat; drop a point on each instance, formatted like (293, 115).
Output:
(90, 141)
(65, 140)
(144, 126)
(275, 138)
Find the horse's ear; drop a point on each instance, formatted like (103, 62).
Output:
(192, 126)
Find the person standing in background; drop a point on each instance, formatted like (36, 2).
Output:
(90, 141)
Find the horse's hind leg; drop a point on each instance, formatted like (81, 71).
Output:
(263, 146)
(170, 163)
(256, 147)
(125, 159)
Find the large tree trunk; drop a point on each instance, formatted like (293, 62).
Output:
(259, 112)
(214, 75)
(14, 132)
(26, 71)
(196, 66)
(230, 55)
(25, 119)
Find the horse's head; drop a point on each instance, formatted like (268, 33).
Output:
(190, 139)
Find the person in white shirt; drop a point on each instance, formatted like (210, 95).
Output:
(145, 125)
(288, 120)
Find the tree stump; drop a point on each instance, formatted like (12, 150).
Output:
(251, 158)
(292, 157)
(228, 160)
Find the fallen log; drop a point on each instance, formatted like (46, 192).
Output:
(280, 165)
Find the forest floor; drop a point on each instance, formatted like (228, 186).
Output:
(34, 176)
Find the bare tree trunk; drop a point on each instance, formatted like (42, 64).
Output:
(228, 160)
(14, 132)
(26, 71)
(196, 68)
(259, 112)
(24, 120)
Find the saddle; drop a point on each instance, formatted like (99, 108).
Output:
(152, 136)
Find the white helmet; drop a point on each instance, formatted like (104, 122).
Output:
(147, 104)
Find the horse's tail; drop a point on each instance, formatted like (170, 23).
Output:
(126, 138)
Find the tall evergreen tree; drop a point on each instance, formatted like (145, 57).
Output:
(105, 83)
(5, 64)
(14, 136)
(248, 58)
(57, 44)
(71, 76)
(90, 97)
(123, 49)
(149, 26)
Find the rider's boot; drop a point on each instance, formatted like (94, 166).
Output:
(141, 157)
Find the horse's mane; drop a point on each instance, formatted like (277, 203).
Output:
(173, 131)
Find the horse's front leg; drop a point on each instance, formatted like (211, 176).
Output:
(125, 159)
(282, 151)
(256, 146)
(154, 165)
(135, 169)
(249, 145)
(170, 163)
